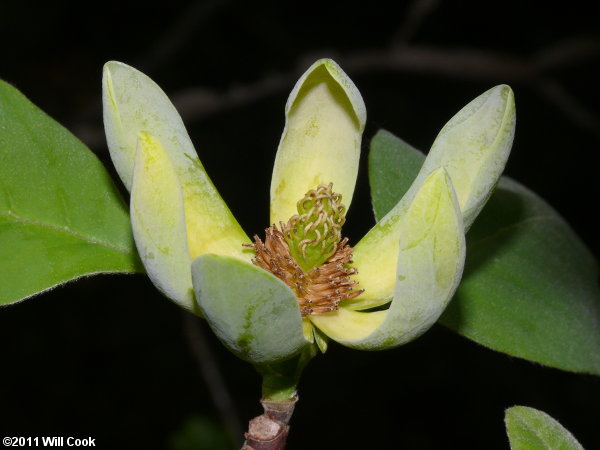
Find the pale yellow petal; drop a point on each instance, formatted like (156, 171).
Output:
(346, 325)
(134, 103)
(158, 222)
(325, 118)
(429, 267)
(473, 148)
(376, 256)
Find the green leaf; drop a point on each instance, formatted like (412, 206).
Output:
(530, 285)
(530, 429)
(393, 166)
(252, 312)
(61, 217)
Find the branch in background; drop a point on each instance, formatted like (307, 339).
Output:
(556, 94)
(458, 63)
(417, 13)
(174, 39)
(569, 52)
(212, 376)
(199, 103)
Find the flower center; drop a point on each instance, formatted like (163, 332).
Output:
(309, 254)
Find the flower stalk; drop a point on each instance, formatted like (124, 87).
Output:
(269, 431)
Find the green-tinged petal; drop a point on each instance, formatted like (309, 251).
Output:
(252, 312)
(158, 222)
(530, 286)
(473, 148)
(308, 330)
(429, 267)
(325, 118)
(320, 339)
(134, 103)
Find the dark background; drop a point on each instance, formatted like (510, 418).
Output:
(108, 357)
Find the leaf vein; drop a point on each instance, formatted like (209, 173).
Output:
(65, 229)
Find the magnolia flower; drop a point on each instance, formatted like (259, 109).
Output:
(269, 298)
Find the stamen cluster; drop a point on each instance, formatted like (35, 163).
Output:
(308, 254)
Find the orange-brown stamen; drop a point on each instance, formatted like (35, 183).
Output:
(318, 290)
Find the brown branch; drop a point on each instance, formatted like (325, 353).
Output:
(270, 430)
(265, 433)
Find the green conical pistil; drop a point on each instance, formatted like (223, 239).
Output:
(313, 235)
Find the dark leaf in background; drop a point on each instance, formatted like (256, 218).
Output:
(530, 285)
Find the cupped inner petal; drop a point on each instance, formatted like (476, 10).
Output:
(348, 325)
(211, 226)
(134, 103)
(158, 222)
(473, 148)
(252, 312)
(376, 257)
(325, 117)
(429, 267)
